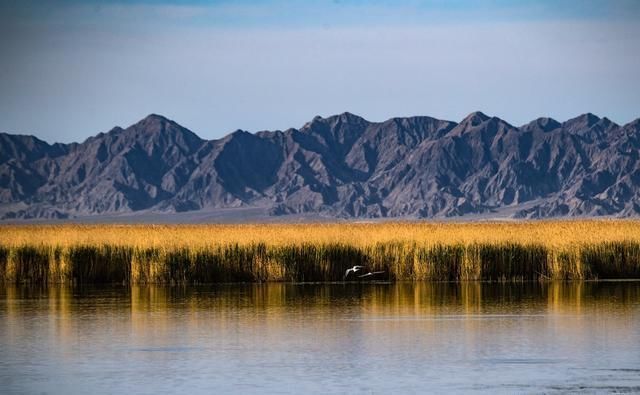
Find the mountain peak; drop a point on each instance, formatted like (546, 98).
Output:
(115, 130)
(157, 129)
(238, 132)
(475, 118)
(633, 124)
(154, 123)
(343, 118)
(155, 117)
(585, 120)
(349, 115)
(544, 123)
(346, 117)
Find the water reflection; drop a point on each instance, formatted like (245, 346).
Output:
(529, 337)
(413, 298)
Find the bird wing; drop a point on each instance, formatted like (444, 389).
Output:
(370, 274)
(347, 272)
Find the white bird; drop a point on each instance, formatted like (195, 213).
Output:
(353, 270)
(359, 272)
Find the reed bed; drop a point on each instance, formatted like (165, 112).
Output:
(139, 254)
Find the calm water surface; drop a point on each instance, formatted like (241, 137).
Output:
(284, 338)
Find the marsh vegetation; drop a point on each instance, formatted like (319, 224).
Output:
(139, 254)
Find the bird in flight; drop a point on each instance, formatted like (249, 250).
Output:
(359, 272)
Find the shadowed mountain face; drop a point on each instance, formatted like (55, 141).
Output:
(341, 166)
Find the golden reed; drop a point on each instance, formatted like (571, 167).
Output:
(488, 251)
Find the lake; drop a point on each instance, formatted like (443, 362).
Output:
(317, 338)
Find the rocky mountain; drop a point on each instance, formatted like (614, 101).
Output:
(341, 166)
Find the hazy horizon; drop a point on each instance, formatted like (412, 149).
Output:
(73, 69)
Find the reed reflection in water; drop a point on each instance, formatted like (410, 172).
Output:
(526, 337)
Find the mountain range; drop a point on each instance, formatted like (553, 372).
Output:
(342, 166)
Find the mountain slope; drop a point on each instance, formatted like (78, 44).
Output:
(343, 166)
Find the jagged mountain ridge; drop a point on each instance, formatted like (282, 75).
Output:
(343, 166)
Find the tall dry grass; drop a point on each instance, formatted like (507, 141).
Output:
(519, 251)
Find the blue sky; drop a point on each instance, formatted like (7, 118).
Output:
(71, 69)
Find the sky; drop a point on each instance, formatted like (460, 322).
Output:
(70, 69)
